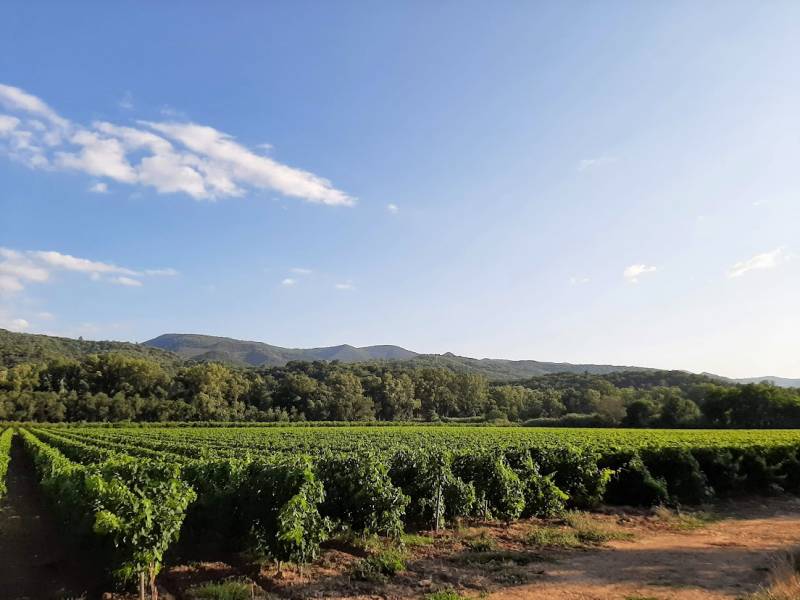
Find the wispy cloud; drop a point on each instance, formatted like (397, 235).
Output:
(765, 260)
(578, 280)
(13, 324)
(301, 271)
(126, 102)
(127, 281)
(592, 163)
(393, 208)
(170, 156)
(99, 188)
(345, 286)
(289, 282)
(20, 268)
(633, 272)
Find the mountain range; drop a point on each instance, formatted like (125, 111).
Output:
(172, 349)
(247, 353)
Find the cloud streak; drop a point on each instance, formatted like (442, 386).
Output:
(633, 272)
(765, 260)
(171, 157)
(21, 268)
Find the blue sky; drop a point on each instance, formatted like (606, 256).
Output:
(589, 182)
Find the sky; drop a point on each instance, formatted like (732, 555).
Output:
(604, 182)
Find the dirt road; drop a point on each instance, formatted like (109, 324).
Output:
(725, 560)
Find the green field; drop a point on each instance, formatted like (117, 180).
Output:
(134, 491)
(231, 440)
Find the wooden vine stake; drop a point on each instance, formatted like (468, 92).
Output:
(141, 586)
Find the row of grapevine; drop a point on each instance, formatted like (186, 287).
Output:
(5, 457)
(665, 470)
(128, 510)
(286, 496)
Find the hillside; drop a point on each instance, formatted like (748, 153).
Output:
(498, 369)
(779, 381)
(258, 354)
(170, 350)
(247, 353)
(783, 382)
(16, 348)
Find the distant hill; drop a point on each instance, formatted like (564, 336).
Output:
(778, 381)
(172, 349)
(245, 353)
(499, 369)
(16, 348)
(258, 354)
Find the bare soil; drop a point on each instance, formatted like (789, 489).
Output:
(666, 559)
(726, 560)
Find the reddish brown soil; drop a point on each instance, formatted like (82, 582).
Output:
(34, 561)
(724, 560)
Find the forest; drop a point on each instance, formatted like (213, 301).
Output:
(117, 386)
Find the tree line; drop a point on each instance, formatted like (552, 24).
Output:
(115, 386)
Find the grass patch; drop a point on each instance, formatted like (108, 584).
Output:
(444, 595)
(579, 530)
(413, 540)
(381, 566)
(553, 537)
(680, 521)
(500, 557)
(480, 543)
(227, 590)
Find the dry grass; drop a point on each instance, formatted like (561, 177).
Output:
(784, 579)
(683, 521)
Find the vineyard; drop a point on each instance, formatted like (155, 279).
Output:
(132, 493)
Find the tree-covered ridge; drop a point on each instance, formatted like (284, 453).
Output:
(115, 386)
(258, 354)
(243, 353)
(16, 348)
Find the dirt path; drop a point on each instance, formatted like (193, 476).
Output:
(726, 560)
(34, 562)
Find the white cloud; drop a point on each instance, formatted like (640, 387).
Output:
(8, 124)
(288, 282)
(633, 272)
(578, 280)
(172, 157)
(99, 156)
(19, 268)
(593, 163)
(14, 98)
(393, 208)
(10, 284)
(765, 260)
(250, 168)
(73, 263)
(301, 271)
(14, 324)
(99, 188)
(346, 286)
(127, 281)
